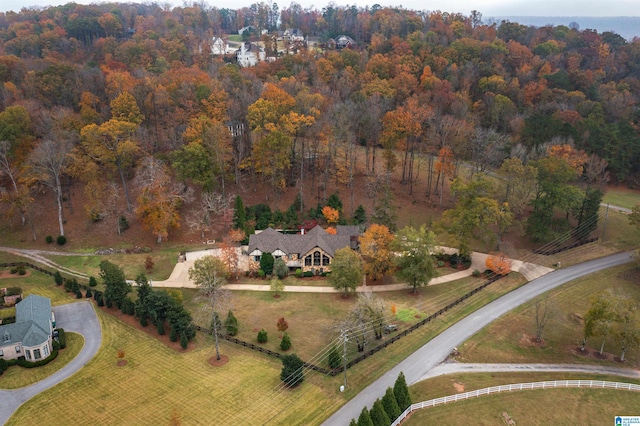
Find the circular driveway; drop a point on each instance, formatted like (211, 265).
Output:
(76, 317)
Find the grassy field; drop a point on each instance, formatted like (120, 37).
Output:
(537, 407)
(17, 377)
(156, 381)
(506, 339)
(38, 283)
(621, 197)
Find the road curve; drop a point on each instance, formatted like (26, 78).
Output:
(77, 317)
(418, 364)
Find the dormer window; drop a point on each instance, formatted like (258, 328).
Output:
(7, 336)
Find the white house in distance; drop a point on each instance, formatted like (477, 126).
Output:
(219, 46)
(32, 333)
(250, 54)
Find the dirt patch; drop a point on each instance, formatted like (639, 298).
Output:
(592, 353)
(150, 329)
(214, 362)
(506, 418)
(122, 362)
(5, 273)
(529, 340)
(459, 387)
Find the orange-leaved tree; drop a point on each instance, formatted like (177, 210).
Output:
(375, 247)
(330, 214)
(498, 263)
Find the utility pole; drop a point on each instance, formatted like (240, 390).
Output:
(344, 338)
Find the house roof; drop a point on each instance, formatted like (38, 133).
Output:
(33, 322)
(271, 240)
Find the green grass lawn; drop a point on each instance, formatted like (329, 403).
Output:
(17, 377)
(38, 283)
(506, 339)
(536, 407)
(622, 197)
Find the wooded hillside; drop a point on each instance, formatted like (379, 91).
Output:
(127, 101)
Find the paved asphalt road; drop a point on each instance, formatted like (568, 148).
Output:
(418, 364)
(77, 317)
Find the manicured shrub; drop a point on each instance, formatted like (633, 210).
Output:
(61, 240)
(307, 274)
(440, 263)
(173, 335)
(476, 273)
(56, 345)
(454, 260)
(3, 366)
(292, 373)
(57, 277)
(282, 324)
(298, 273)
(143, 321)
(48, 239)
(100, 300)
(21, 270)
(231, 324)
(184, 341)
(92, 282)
(78, 294)
(262, 336)
(160, 328)
(335, 361)
(13, 270)
(109, 303)
(285, 343)
(89, 293)
(261, 273)
(62, 338)
(28, 364)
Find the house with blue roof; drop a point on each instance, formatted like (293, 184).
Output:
(31, 336)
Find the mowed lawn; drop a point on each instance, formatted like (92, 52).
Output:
(38, 283)
(507, 339)
(621, 197)
(17, 377)
(530, 407)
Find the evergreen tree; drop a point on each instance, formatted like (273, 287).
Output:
(231, 324)
(335, 360)
(266, 263)
(173, 335)
(92, 282)
(353, 422)
(364, 419)
(57, 277)
(239, 214)
(334, 202)
(359, 216)
(390, 404)
(292, 370)
(184, 341)
(285, 344)
(401, 392)
(280, 268)
(378, 416)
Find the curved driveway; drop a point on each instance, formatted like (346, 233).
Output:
(76, 317)
(418, 364)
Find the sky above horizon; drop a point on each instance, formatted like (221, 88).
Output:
(595, 8)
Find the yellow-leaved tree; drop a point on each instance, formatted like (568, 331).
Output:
(375, 247)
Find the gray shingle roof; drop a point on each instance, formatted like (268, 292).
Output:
(271, 240)
(33, 323)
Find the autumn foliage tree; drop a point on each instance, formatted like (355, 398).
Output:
(331, 215)
(375, 247)
(498, 263)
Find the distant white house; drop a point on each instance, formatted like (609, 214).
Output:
(250, 54)
(219, 46)
(293, 35)
(248, 29)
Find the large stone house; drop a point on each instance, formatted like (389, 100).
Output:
(32, 333)
(312, 251)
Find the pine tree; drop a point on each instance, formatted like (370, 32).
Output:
(239, 214)
(231, 324)
(378, 416)
(364, 419)
(285, 344)
(390, 404)
(401, 392)
(334, 358)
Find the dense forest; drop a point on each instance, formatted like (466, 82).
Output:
(127, 101)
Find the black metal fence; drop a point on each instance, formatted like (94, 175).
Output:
(372, 351)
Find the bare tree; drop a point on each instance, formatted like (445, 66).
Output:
(49, 161)
(208, 274)
(545, 312)
(211, 204)
(373, 307)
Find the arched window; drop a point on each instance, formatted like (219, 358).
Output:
(316, 258)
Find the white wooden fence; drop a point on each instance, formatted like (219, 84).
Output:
(517, 387)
